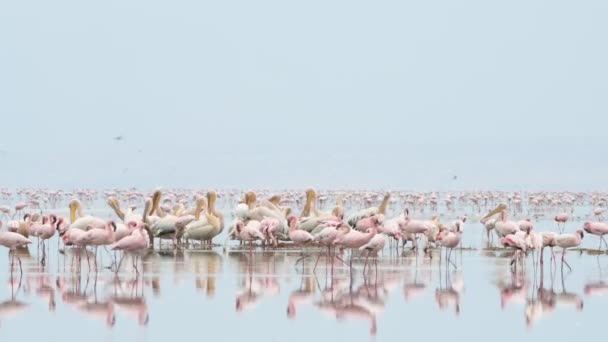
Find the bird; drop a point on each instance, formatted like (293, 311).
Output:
(205, 228)
(297, 236)
(249, 232)
(450, 240)
(134, 243)
(566, 241)
(503, 226)
(352, 239)
(372, 247)
(413, 227)
(78, 220)
(597, 228)
(12, 241)
(561, 220)
(100, 237)
(361, 214)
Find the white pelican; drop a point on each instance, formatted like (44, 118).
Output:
(203, 228)
(364, 213)
(502, 226)
(127, 216)
(80, 221)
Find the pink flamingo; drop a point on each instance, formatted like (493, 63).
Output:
(353, 239)
(449, 240)
(414, 227)
(249, 232)
(269, 227)
(372, 248)
(561, 220)
(19, 208)
(597, 228)
(298, 236)
(325, 238)
(134, 243)
(566, 241)
(37, 228)
(12, 241)
(100, 237)
(76, 237)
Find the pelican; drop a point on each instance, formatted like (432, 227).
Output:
(266, 209)
(310, 197)
(84, 222)
(169, 226)
(205, 228)
(126, 217)
(365, 213)
(502, 226)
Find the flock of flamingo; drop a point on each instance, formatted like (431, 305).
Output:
(406, 226)
(191, 219)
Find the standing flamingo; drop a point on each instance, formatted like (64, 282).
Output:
(561, 220)
(12, 241)
(597, 228)
(566, 241)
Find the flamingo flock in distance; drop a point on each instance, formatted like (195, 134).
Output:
(334, 221)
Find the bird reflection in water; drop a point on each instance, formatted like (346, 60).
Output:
(254, 288)
(448, 293)
(341, 302)
(206, 265)
(13, 307)
(544, 301)
(128, 297)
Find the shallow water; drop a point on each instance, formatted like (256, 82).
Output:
(267, 296)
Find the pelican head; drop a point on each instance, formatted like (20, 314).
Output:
(498, 210)
(250, 199)
(74, 207)
(200, 204)
(155, 200)
(211, 196)
(276, 199)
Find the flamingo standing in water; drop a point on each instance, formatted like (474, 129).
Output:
(12, 241)
(566, 241)
(298, 236)
(450, 240)
(101, 237)
(561, 220)
(353, 239)
(597, 228)
(134, 243)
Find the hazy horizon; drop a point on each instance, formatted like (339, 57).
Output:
(342, 94)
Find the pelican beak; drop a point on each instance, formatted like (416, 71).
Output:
(73, 208)
(501, 207)
(155, 201)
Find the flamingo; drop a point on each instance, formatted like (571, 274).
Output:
(299, 237)
(561, 218)
(134, 243)
(249, 232)
(100, 237)
(413, 227)
(353, 239)
(566, 241)
(597, 228)
(12, 241)
(450, 240)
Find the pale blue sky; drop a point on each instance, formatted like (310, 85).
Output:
(393, 94)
